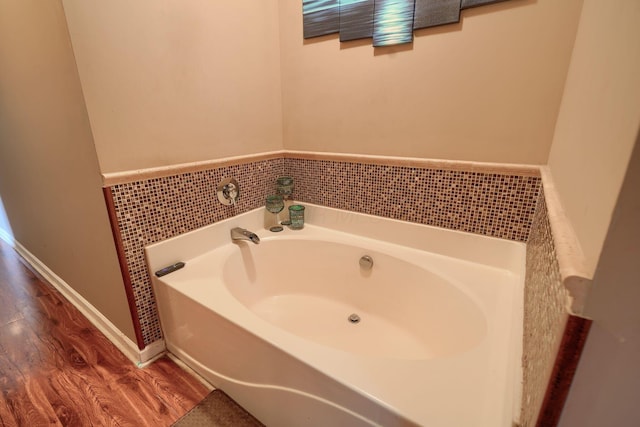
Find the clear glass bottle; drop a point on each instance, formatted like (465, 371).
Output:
(284, 187)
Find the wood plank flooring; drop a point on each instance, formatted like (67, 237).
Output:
(56, 369)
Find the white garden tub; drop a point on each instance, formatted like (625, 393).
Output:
(438, 342)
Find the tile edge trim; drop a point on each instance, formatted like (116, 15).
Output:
(574, 337)
(423, 163)
(115, 178)
(574, 273)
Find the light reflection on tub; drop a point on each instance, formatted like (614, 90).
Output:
(310, 288)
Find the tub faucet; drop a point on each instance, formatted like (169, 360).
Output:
(238, 233)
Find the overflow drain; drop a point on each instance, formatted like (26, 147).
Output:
(366, 262)
(354, 318)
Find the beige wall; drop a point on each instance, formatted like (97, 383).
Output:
(49, 175)
(169, 82)
(599, 119)
(487, 89)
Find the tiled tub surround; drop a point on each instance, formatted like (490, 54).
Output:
(544, 313)
(155, 209)
(553, 334)
(492, 204)
(494, 200)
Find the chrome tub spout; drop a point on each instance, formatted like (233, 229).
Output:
(238, 233)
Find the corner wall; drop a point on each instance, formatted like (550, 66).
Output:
(50, 181)
(598, 120)
(607, 381)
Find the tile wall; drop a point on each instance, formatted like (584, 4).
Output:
(545, 314)
(152, 210)
(493, 204)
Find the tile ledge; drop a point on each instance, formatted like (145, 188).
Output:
(574, 273)
(458, 165)
(115, 178)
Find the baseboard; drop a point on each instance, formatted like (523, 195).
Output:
(151, 352)
(104, 325)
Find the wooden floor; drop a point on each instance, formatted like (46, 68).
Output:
(57, 369)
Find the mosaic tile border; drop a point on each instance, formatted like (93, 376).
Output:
(491, 204)
(154, 209)
(545, 314)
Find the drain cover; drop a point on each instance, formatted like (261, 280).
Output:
(354, 318)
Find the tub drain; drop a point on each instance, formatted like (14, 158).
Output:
(354, 318)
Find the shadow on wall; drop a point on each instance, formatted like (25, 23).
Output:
(5, 228)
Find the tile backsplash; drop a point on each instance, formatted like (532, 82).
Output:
(492, 204)
(150, 210)
(544, 314)
(156, 209)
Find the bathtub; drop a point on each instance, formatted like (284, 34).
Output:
(300, 334)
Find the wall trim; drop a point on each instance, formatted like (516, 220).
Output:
(574, 338)
(575, 275)
(104, 325)
(415, 162)
(115, 178)
(124, 269)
